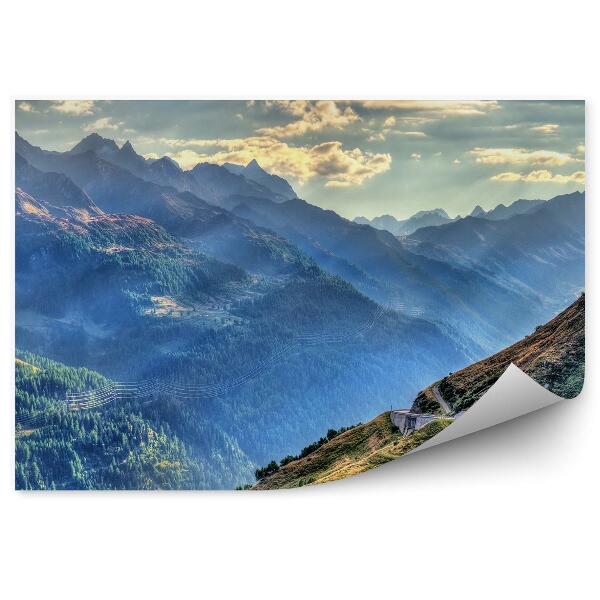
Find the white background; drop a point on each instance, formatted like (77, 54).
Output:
(508, 513)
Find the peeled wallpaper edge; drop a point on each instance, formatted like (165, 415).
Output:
(513, 395)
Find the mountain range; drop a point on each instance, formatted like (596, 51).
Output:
(438, 216)
(553, 355)
(423, 218)
(142, 271)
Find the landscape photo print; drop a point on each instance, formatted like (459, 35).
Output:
(264, 294)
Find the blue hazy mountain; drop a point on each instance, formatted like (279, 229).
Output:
(254, 172)
(118, 294)
(472, 302)
(541, 249)
(438, 216)
(423, 218)
(208, 181)
(477, 212)
(122, 266)
(205, 226)
(518, 207)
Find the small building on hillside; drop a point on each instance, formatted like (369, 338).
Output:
(407, 421)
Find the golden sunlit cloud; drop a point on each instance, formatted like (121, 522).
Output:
(311, 116)
(548, 128)
(540, 176)
(339, 167)
(103, 124)
(580, 149)
(433, 108)
(390, 121)
(74, 107)
(521, 156)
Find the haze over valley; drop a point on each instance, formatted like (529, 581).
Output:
(246, 318)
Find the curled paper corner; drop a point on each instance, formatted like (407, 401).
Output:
(514, 394)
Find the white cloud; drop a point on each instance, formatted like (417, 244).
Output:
(580, 149)
(417, 134)
(521, 156)
(27, 107)
(103, 124)
(310, 117)
(377, 137)
(547, 128)
(431, 108)
(74, 107)
(456, 161)
(540, 176)
(390, 121)
(337, 166)
(415, 156)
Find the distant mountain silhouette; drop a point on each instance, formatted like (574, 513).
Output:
(518, 207)
(542, 249)
(255, 172)
(207, 227)
(423, 218)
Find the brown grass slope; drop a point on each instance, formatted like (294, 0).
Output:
(553, 355)
(354, 451)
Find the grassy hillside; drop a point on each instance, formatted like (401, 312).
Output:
(359, 449)
(553, 355)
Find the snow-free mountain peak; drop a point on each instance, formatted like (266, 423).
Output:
(128, 148)
(95, 143)
(423, 218)
(477, 212)
(253, 164)
(254, 172)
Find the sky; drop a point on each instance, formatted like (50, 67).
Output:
(357, 157)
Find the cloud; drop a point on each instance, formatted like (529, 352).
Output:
(390, 121)
(419, 134)
(27, 107)
(74, 107)
(456, 161)
(105, 123)
(540, 176)
(415, 156)
(548, 128)
(377, 137)
(521, 156)
(431, 108)
(310, 117)
(380, 136)
(329, 160)
(580, 149)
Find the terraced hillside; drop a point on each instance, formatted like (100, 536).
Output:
(554, 355)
